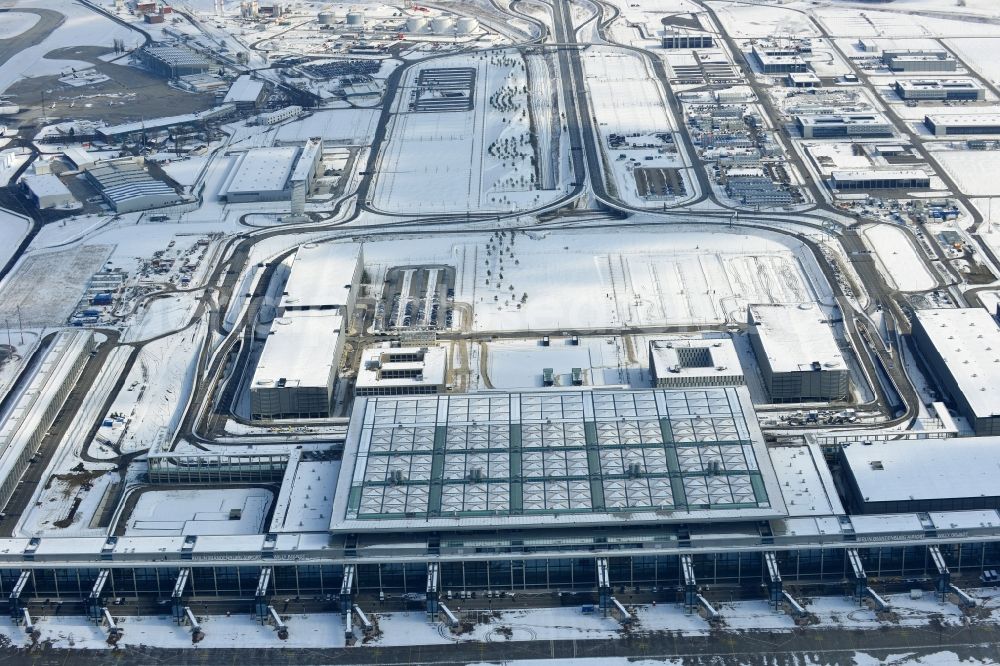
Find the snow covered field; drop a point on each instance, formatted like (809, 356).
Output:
(898, 258)
(627, 101)
(83, 27)
(973, 170)
(64, 275)
(13, 229)
(633, 278)
(458, 161)
(15, 23)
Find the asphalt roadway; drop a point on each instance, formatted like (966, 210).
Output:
(836, 647)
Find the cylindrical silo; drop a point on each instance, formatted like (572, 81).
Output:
(442, 25)
(355, 18)
(467, 25)
(326, 18)
(416, 24)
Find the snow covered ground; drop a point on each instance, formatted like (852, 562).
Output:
(898, 259)
(974, 171)
(634, 278)
(458, 161)
(15, 23)
(83, 27)
(13, 229)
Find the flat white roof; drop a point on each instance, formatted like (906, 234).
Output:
(299, 350)
(374, 360)
(46, 185)
(963, 119)
(321, 275)
(803, 76)
(262, 170)
(794, 336)
(306, 159)
(868, 174)
(667, 360)
(933, 84)
(968, 341)
(866, 118)
(926, 469)
(244, 89)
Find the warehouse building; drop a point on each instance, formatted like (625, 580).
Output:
(683, 362)
(959, 124)
(826, 126)
(910, 60)
(912, 476)
(871, 179)
(127, 185)
(172, 61)
(678, 38)
(268, 174)
(324, 276)
(778, 60)
(47, 191)
(947, 89)
(797, 352)
(387, 370)
(297, 370)
(246, 94)
(961, 347)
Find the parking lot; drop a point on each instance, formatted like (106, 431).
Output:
(417, 298)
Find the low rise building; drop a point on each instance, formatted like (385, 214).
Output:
(246, 93)
(683, 362)
(961, 347)
(297, 369)
(47, 191)
(389, 370)
(798, 354)
(910, 476)
(324, 276)
(273, 174)
(679, 38)
(127, 186)
(919, 60)
(835, 125)
(873, 179)
(963, 123)
(947, 89)
(778, 60)
(172, 61)
(803, 80)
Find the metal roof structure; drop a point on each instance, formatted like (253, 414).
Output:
(525, 459)
(795, 336)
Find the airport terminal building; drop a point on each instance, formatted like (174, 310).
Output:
(664, 491)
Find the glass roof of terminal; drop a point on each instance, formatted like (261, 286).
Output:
(538, 454)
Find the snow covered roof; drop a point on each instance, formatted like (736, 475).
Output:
(694, 356)
(385, 366)
(307, 158)
(46, 185)
(926, 469)
(261, 170)
(968, 341)
(526, 459)
(244, 89)
(843, 175)
(963, 119)
(299, 352)
(322, 275)
(794, 336)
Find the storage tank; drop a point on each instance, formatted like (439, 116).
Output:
(355, 18)
(467, 25)
(416, 24)
(442, 25)
(326, 18)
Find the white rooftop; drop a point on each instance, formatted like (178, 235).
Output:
(321, 276)
(794, 336)
(244, 89)
(46, 185)
(300, 350)
(934, 84)
(262, 170)
(968, 341)
(926, 469)
(378, 361)
(884, 174)
(700, 357)
(964, 118)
